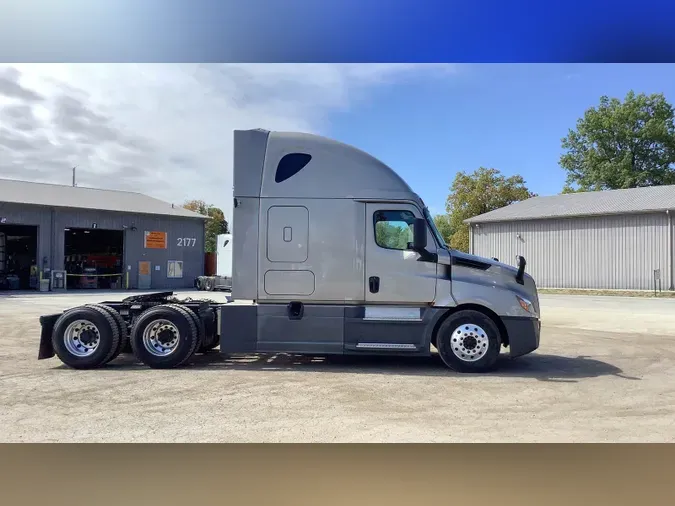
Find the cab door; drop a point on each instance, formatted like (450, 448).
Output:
(395, 274)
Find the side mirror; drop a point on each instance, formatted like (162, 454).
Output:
(420, 234)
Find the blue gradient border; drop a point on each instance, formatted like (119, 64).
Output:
(336, 31)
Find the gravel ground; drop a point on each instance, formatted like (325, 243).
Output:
(604, 373)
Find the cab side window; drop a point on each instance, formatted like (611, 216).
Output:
(393, 229)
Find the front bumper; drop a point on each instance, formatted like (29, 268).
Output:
(523, 333)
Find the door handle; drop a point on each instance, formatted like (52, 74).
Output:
(374, 284)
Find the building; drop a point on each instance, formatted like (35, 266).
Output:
(618, 239)
(100, 238)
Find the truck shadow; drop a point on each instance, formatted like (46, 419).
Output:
(536, 366)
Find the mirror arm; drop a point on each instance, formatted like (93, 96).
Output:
(425, 255)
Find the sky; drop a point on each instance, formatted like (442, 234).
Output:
(166, 129)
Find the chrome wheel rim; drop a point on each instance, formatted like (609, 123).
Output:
(81, 338)
(161, 338)
(469, 342)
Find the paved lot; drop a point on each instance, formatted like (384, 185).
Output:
(605, 372)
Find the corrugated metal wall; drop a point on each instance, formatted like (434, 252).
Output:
(51, 237)
(608, 252)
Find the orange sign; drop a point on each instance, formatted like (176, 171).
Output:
(155, 240)
(144, 268)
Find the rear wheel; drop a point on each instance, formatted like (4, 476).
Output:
(121, 327)
(86, 337)
(469, 341)
(165, 336)
(208, 339)
(209, 284)
(201, 328)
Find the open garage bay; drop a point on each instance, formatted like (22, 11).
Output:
(604, 372)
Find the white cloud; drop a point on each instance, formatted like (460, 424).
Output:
(166, 130)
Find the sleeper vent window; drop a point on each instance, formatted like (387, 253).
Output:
(290, 165)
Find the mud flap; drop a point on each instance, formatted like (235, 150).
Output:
(523, 335)
(46, 348)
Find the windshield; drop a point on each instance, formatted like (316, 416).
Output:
(432, 225)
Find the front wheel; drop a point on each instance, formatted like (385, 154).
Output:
(469, 341)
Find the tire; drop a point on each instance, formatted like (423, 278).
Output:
(199, 324)
(204, 344)
(201, 329)
(209, 284)
(207, 342)
(199, 283)
(180, 326)
(121, 326)
(94, 322)
(469, 342)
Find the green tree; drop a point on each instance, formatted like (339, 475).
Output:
(444, 226)
(621, 145)
(480, 192)
(393, 236)
(216, 225)
(568, 188)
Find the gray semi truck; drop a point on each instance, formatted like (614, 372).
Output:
(333, 254)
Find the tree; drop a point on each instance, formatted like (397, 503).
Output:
(443, 225)
(393, 236)
(215, 226)
(480, 192)
(618, 144)
(568, 188)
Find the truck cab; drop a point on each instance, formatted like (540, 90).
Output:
(349, 261)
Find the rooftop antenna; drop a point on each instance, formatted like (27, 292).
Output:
(74, 183)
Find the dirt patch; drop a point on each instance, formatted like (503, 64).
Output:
(589, 382)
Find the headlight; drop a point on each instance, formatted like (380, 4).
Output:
(526, 305)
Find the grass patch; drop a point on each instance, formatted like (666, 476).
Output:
(616, 293)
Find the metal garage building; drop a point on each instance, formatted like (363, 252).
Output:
(618, 239)
(100, 238)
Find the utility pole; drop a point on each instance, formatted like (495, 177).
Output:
(74, 183)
